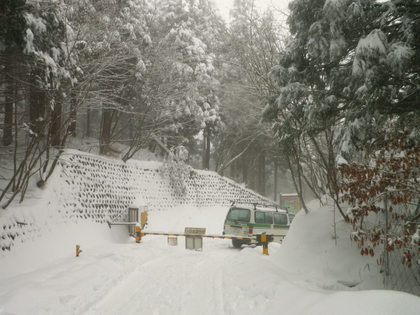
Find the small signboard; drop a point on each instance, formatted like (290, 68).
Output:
(198, 231)
(290, 202)
(194, 242)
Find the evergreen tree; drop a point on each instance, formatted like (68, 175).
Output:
(42, 66)
(349, 67)
(352, 60)
(189, 30)
(251, 49)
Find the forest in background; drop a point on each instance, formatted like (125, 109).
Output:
(137, 73)
(328, 103)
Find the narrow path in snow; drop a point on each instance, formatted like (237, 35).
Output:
(179, 281)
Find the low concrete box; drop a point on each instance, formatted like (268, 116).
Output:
(194, 241)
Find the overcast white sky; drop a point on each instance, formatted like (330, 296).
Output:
(226, 5)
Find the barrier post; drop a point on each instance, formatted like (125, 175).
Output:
(143, 217)
(138, 233)
(264, 241)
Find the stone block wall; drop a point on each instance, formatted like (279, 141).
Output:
(89, 187)
(99, 188)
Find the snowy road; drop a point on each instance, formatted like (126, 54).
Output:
(123, 278)
(115, 275)
(172, 280)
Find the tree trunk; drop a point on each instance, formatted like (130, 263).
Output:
(296, 176)
(71, 129)
(56, 125)
(233, 170)
(105, 138)
(204, 150)
(206, 160)
(88, 123)
(275, 179)
(261, 173)
(8, 107)
(244, 168)
(208, 149)
(37, 105)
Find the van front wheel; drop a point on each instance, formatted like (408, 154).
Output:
(236, 243)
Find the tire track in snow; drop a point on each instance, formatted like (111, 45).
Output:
(177, 282)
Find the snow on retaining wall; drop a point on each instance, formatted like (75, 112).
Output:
(100, 188)
(87, 186)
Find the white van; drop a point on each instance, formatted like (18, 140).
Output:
(251, 220)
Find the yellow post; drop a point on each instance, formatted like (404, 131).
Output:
(264, 242)
(143, 217)
(265, 249)
(78, 250)
(138, 233)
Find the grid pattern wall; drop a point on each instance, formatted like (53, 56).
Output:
(101, 189)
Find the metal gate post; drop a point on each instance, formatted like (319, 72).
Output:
(133, 216)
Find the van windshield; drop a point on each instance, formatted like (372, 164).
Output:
(239, 215)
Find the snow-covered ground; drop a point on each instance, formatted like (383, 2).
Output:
(307, 274)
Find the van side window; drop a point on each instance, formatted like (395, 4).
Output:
(268, 218)
(239, 215)
(280, 218)
(263, 217)
(259, 217)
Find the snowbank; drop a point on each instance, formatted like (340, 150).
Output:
(335, 262)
